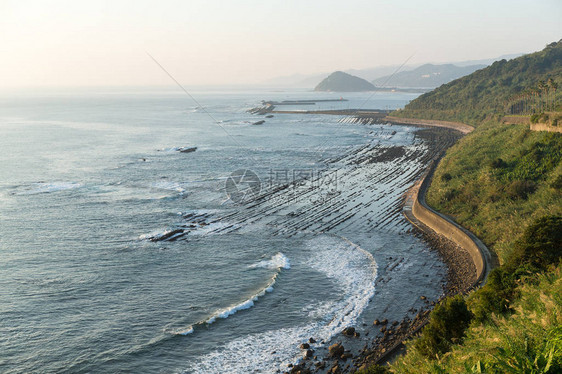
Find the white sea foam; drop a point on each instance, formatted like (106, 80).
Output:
(187, 331)
(151, 235)
(278, 261)
(204, 230)
(192, 229)
(281, 261)
(227, 312)
(354, 272)
(170, 186)
(43, 187)
(246, 304)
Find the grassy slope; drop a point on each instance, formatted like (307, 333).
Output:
(481, 198)
(497, 346)
(496, 181)
(482, 201)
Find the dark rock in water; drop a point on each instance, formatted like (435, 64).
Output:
(311, 341)
(395, 323)
(304, 346)
(336, 350)
(349, 331)
(356, 334)
(166, 235)
(269, 116)
(384, 321)
(187, 149)
(309, 353)
(262, 109)
(259, 122)
(376, 322)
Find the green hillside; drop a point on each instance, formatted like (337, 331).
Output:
(504, 183)
(524, 85)
(343, 82)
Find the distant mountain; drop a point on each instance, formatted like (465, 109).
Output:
(427, 76)
(312, 80)
(343, 82)
(380, 71)
(369, 74)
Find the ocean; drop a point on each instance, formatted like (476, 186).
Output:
(120, 253)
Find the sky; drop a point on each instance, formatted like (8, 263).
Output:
(105, 43)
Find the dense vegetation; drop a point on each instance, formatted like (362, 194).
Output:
(498, 179)
(495, 90)
(343, 82)
(550, 118)
(527, 339)
(504, 183)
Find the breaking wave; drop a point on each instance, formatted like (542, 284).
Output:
(278, 261)
(352, 269)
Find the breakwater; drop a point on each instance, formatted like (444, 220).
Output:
(424, 217)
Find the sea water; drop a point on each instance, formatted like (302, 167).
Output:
(87, 177)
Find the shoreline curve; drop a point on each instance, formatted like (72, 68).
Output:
(459, 126)
(422, 216)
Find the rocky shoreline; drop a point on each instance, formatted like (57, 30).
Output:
(461, 274)
(461, 277)
(360, 207)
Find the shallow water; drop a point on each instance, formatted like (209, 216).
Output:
(88, 177)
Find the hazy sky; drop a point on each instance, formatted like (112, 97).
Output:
(81, 43)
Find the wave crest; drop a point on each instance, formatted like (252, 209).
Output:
(352, 268)
(278, 261)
